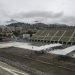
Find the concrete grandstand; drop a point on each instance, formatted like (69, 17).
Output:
(55, 36)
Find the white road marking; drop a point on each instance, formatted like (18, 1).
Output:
(14, 72)
(8, 70)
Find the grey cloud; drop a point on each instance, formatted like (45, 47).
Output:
(60, 14)
(68, 20)
(38, 14)
(48, 17)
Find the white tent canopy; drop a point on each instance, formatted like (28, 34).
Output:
(44, 47)
(28, 46)
(36, 48)
(63, 51)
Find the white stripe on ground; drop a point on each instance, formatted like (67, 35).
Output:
(8, 70)
(14, 72)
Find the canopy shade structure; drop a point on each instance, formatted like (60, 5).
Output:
(6, 45)
(44, 47)
(29, 46)
(63, 51)
(37, 48)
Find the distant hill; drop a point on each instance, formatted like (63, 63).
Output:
(18, 24)
(39, 25)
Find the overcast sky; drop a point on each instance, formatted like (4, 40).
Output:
(51, 9)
